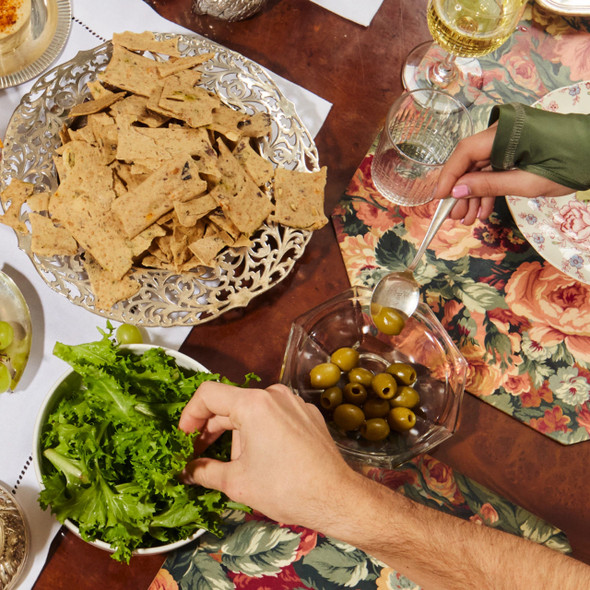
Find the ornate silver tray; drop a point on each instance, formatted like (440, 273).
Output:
(165, 298)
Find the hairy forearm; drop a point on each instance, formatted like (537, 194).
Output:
(439, 551)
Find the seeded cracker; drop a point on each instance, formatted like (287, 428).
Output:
(13, 198)
(242, 201)
(145, 42)
(175, 180)
(299, 198)
(48, 239)
(106, 288)
(95, 106)
(129, 71)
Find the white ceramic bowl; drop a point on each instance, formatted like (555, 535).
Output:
(61, 386)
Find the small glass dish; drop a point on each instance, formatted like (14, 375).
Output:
(15, 311)
(345, 321)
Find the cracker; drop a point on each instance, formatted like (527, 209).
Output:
(48, 239)
(299, 198)
(207, 248)
(241, 200)
(189, 212)
(96, 229)
(184, 101)
(183, 63)
(39, 201)
(132, 72)
(176, 180)
(108, 289)
(260, 170)
(96, 105)
(146, 42)
(136, 107)
(13, 198)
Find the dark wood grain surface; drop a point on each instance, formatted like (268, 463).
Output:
(357, 69)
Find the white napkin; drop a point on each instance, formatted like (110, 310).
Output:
(358, 11)
(54, 317)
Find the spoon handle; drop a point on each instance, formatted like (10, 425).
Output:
(442, 212)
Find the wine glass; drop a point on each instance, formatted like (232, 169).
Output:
(463, 30)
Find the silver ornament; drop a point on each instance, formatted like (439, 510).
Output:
(229, 10)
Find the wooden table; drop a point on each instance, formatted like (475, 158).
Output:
(357, 69)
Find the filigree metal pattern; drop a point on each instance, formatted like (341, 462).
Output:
(165, 298)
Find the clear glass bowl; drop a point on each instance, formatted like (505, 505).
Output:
(345, 320)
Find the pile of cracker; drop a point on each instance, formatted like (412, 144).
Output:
(154, 171)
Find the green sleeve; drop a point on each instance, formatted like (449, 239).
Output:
(553, 145)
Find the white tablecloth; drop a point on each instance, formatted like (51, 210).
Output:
(54, 317)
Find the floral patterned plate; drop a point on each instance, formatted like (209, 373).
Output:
(559, 228)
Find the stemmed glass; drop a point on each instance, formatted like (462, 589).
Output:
(463, 30)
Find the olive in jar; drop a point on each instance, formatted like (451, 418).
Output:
(375, 429)
(355, 393)
(401, 419)
(346, 358)
(406, 397)
(348, 416)
(360, 375)
(404, 374)
(331, 398)
(384, 385)
(324, 375)
(375, 407)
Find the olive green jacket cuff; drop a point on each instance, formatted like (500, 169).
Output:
(549, 144)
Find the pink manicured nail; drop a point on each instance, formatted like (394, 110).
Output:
(461, 190)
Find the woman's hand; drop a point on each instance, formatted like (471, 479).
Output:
(467, 176)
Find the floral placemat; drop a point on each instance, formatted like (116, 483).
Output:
(508, 310)
(258, 553)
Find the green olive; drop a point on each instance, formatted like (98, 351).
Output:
(346, 358)
(355, 393)
(360, 375)
(348, 416)
(324, 375)
(331, 398)
(406, 397)
(376, 407)
(388, 320)
(375, 429)
(404, 374)
(384, 385)
(401, 419)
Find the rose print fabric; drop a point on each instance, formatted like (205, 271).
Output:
(258, 553)
(522, 324)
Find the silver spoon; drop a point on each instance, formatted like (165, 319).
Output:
(399, 290)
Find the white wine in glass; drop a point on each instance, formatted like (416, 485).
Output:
(462, 30)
